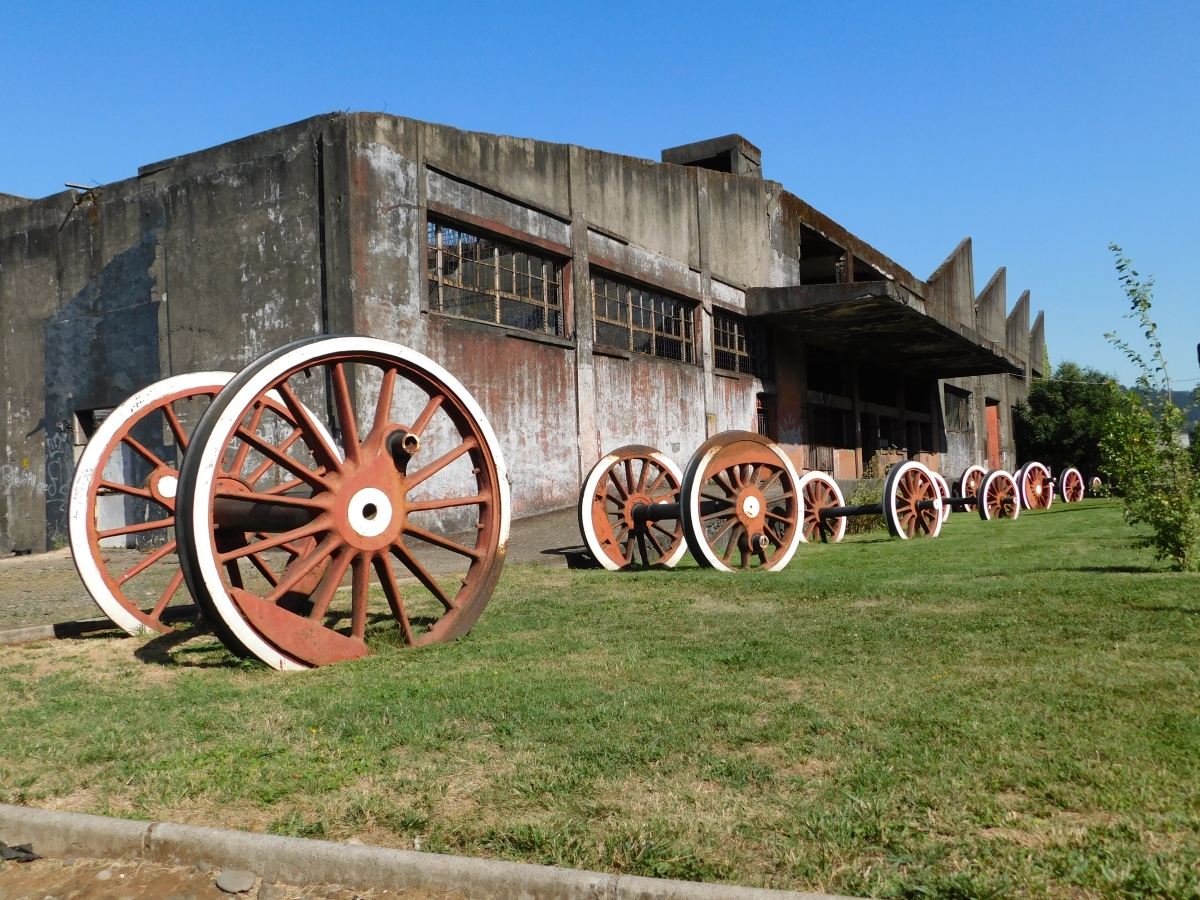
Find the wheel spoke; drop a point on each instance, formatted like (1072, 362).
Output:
(391, 590)
(168, 547)
(440, 463)
(323, 595)
(296, 572)
(136, 528)
(239, 459)
(345, 411)
(143, 452)
(316, 526)
(438, 541)
(641, 541)
(616, 482)
(313, 435)
(641, 485)
(360, 585)
(410, 562)
(283, 460)
(657, 546)
(263, 569)
(383, 406)
(662, 473)
(181, 437)
(422, 422)
(254, 477)
(126, 489)
(424, 505)
(165, 597)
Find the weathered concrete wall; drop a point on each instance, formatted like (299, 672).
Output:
(202, 262)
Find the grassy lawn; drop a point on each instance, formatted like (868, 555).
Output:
(1012, 709)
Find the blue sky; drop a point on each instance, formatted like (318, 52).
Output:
(1042, 130)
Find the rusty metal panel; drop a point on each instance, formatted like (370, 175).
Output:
(527, 391)
(736, 402)
(648, 401)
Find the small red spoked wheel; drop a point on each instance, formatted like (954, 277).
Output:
(1096, 484)
(998, 496)
(741, 506)
(414, 481)
(908, 486)
(623, 480)
(1035, 486)
(819, 490)
(968, 483)
(123, 495)
(944, 491)
(1070, 484)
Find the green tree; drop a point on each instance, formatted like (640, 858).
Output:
(1062, 420)
(1142, 454)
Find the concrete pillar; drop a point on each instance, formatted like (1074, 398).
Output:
(581, 304)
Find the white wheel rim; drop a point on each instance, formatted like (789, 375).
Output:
(943, 488)
(692, 508)
(837, 531)
(1065, 478)
(588, 528)
(231, 415)
(984, 512)
(78, 510)
(891, 487)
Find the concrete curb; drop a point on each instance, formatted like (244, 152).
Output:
(299, 861)
(84, 626)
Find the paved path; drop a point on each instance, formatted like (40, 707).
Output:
(45, 589)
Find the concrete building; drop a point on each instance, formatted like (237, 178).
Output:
(587, 299)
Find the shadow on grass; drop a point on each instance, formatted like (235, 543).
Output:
(168, 650)
(1117, 570)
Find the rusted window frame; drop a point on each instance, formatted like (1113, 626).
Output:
(683, 315)
(436, 282)
(744, 344)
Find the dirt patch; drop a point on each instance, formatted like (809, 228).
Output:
(91, 879)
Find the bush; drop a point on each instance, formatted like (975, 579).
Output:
(1142, 454)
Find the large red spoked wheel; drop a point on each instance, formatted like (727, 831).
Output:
(413, 484)
(1070, 485)
(621, 482)
(944, 492)
(124, 493)
(1035, 486)
(968, 483)
(909, 486)
(998, 496)
(819, 490)
(741, 504)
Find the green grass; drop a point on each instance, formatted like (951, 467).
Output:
(1009, 710)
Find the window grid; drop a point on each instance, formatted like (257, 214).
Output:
(739, 346)
(641, 321)
(475, 277)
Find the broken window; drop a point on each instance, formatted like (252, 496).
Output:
(628, 317)
(958, 408)
(739, 346)
(476, 277)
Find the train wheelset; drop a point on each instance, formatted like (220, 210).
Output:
(330, 459)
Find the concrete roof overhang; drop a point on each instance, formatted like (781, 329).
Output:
(883, 323)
